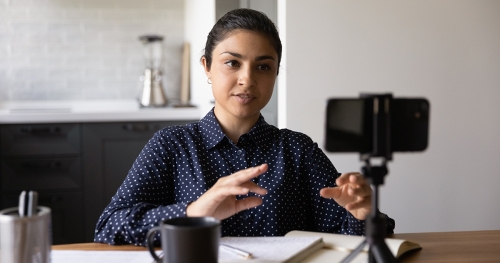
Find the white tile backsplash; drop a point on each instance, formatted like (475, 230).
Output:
(44, 60)
(85, 49)
(30, 73)
(44, 39)
(25, 49)
(3, 74)
(49, 85)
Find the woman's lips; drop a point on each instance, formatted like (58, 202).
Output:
(244, 98)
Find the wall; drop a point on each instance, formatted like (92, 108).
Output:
(199, 20)
(447, 51)
(84, 49)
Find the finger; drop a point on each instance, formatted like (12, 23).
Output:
(249, 173)
(358, 186)
(253, 187)
(344, 178)
(330, 192)
(237, 190)
(223, 192)
(359, 190)
(247, 203)
(357, 178)
(362, 203)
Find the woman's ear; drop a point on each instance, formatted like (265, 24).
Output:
(206, 67)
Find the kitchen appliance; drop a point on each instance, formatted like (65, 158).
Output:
(152, 93)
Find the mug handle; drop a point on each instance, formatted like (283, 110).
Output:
(149, 239)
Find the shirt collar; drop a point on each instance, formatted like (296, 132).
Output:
(212, 133)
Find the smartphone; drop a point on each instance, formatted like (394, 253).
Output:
(349, 125)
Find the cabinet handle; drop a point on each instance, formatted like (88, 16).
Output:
(138, 127)
(47, 165)
(41, 130)
(51, 199)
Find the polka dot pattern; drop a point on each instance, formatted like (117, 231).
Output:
(180, 163)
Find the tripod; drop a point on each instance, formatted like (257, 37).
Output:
(376, 224)
(375, 227)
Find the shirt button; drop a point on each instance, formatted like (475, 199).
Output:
(239, 152)
(244, 217)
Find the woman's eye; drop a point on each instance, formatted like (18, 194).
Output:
(232, 63)
(264, 67)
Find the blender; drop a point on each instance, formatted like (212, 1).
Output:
(152, 94)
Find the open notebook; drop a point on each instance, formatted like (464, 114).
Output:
(338, 246)
(303, 246)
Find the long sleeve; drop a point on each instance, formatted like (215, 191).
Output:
(145, 198)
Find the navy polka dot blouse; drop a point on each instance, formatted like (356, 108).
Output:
(180, 163)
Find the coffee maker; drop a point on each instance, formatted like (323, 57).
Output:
(152, 93)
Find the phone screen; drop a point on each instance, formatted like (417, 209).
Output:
(349, 125)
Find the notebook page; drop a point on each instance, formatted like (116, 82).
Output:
(348, 243)
(332, 256)
(79, 256)
(333, 241)
(265, 249)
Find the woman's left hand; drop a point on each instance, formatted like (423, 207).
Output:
(353, 193)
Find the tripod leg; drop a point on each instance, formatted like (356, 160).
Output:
(354, 253)
(381, 253)
(375, 230)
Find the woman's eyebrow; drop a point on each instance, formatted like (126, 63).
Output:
(232, 54)
(259, 58)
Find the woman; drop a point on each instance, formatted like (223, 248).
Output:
(232, 165)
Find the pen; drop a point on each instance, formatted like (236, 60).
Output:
(237, 251)
(28, 203)
(32, 203)
(23, 204)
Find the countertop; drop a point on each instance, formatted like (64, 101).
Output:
(19, 112)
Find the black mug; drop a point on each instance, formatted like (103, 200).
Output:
(187, 240)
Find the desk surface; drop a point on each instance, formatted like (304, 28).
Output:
(469, 246)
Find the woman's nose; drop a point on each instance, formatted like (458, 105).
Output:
(246, 77)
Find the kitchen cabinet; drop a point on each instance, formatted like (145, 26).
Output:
(46, 158)
(109, 151)
(75, 167)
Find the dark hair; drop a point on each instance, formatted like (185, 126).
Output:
(244, 19)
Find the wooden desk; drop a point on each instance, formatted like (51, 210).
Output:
(470, 246)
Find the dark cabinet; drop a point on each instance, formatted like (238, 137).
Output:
(46, 173)
(40, 139)
(45, 158)
(109, 151)
(76, 168)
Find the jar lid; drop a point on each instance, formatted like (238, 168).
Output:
(150, 38)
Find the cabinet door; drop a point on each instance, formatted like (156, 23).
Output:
(40, 139)
(48, 173)
(109, 150)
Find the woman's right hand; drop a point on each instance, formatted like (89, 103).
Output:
(220, 200)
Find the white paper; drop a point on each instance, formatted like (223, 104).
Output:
(79, 256)
(268, 249)
(263, 249)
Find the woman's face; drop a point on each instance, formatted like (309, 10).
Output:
(243, 73)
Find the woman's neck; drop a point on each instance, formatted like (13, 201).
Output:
(233, 126)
